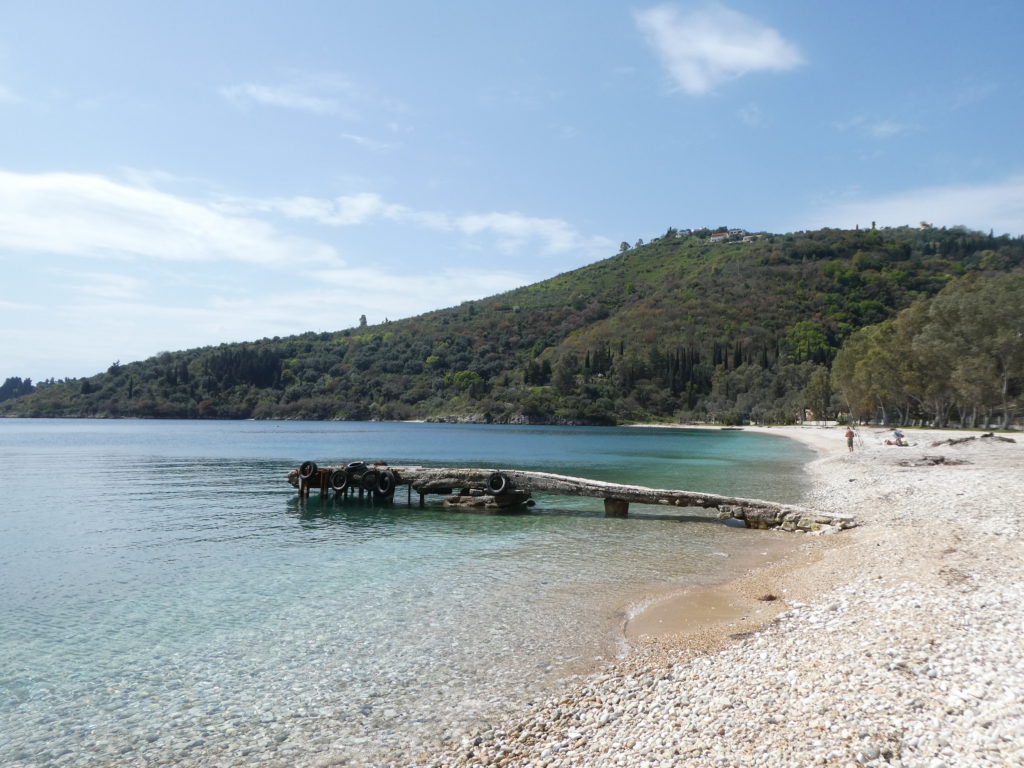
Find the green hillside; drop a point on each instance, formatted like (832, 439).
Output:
(677, 328)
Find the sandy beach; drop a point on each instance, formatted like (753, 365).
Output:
(895, 643)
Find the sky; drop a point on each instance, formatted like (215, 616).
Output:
(175, 175)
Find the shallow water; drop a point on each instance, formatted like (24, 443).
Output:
(168, 599)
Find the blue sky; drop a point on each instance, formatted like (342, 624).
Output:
(181, 174)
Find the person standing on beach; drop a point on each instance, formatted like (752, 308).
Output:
(850, 434)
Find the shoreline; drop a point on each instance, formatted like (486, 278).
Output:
(894, 643)
(706, 617)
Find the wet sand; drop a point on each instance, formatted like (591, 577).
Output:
(706, 617)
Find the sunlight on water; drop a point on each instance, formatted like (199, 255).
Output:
(169, 598)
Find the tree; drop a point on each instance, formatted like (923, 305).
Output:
(623, 246)
(978, 324)
(807, 342)
(563, 376)
(15, 387)
(362, 321)
(817, 395)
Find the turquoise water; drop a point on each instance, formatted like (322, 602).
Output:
(167, 598)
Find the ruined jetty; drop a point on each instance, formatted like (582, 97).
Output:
(512, 490)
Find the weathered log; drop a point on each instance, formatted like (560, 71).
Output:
(986, 436)
(954, 441)
(999, 438)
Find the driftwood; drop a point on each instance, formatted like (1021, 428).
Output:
(932, 461)
(755, 513)
(986, 436)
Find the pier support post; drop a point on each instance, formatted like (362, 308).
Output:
(616, 508)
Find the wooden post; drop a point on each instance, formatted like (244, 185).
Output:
(616, 508)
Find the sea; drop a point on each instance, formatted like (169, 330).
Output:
(166, 598)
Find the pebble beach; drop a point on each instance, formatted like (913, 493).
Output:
(895, 643)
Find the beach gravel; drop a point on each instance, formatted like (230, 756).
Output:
(896, 643)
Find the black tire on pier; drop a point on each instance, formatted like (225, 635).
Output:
(498, 483)
(385, 483)
(369, 480)
(307, 469)
(339, 480)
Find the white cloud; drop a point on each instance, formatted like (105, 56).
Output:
(7, 95)
(998, 205)
(343, 211)
(512, 230)
(85, 215)
(705, 48)
(367, 143)
(320, 94)
(751, 115)
(515, 229)
(876, 128)
(883, 129)
(281, 96)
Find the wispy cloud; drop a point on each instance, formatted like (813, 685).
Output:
(751, 115)
(515, 229)
(997, 205)
(367, 143)
(967, 93)
(85, 215)
(281, 96)
(344, 211)
(705, 48)
(512, 230)
(876, 128)
(7, 96)
(319, 94)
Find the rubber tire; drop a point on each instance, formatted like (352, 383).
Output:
(498, 483)
(355, 466)
(339, 480)
(369, 480)
(385, 483)
(307, 470)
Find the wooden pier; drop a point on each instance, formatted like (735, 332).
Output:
(511, 490)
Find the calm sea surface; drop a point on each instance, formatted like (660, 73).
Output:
(167, 599)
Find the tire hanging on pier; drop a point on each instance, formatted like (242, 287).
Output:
(385, 483)
(368, 481)
(307, 469)
(339, 480)
(498, 483)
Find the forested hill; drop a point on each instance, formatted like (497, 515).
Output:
(681, 327)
